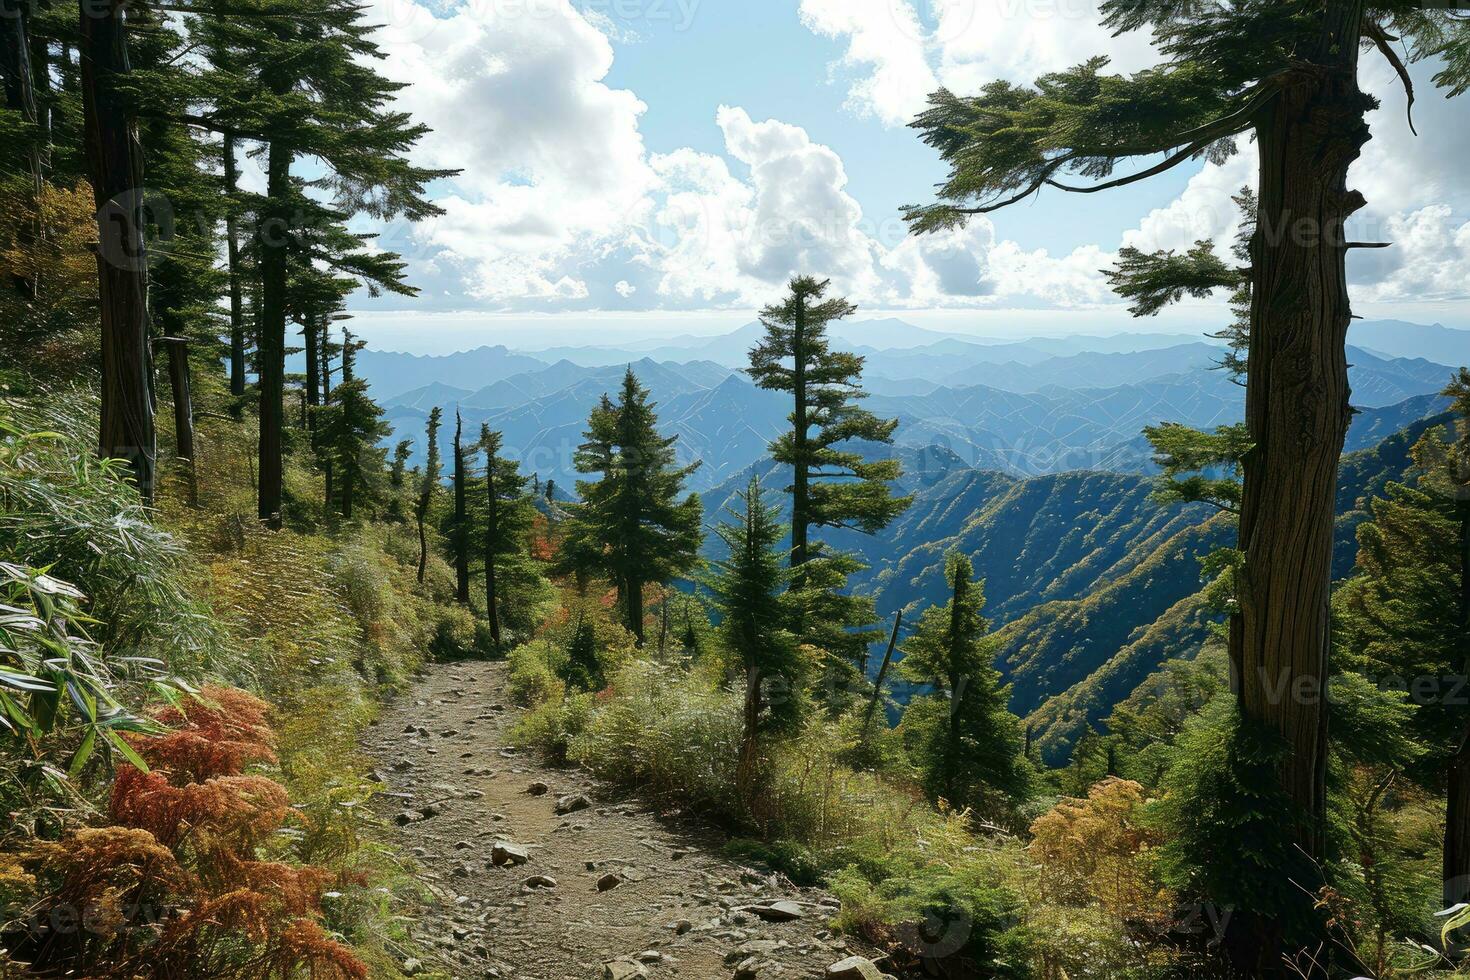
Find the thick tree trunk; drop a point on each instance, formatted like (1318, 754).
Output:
(20, 96)
(1297, 414)
(232, 261)
(115, 163)
(273, 234)
(1457, 803)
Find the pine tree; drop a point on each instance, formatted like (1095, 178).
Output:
(631, 521)
(457, 527)
(966, 743)
(428, 483)
(505, 523)
(831, 487)
(1286, 73)
(583, 550)
(352, 429)
(749, 592)
(300, 79)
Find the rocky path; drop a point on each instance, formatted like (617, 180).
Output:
(538, 873)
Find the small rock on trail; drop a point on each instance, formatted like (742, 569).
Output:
(539, 873)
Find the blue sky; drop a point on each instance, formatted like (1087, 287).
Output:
(643, 167)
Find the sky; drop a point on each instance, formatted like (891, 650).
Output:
(660, 167)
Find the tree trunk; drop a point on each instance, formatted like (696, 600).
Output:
(324, 368)
(749, 764)
(41, 84)
(183, 398)
(461, 538)
(115, 163)
(20, 97)
(423, 546)
(1297, 414)
(1457, 803)
(312, 345)
(232, 262)
(492, 522)
(633, 596)
(800, 477)
(273, 236)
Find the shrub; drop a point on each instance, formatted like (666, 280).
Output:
(1098, 850)
(454, 633)
(78, 517)
(535, 669)
(187, 836)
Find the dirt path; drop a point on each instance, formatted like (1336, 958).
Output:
(606, 890)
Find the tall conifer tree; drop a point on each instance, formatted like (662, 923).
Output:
(1285, 73)
(749, 591)
(631, 520)
(428, 484)
(968, 745)
(505, 521)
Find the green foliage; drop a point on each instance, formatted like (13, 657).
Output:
(964, 741)
(64, 510)
(61, 698)
(350, 429)
(1199, 466)
(1227, 823)
(631, 524)
(748, 592)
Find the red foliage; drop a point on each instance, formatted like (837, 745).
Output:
(186, 840)
(218, 734)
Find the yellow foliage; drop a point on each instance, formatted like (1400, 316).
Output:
(1095, 851)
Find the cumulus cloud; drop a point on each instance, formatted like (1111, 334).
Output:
(885, 54)
(560, 204)
(895, 56)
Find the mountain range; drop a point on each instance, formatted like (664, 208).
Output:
(1046, 414)
(1028, 456)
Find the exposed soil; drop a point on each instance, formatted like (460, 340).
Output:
(606, 891)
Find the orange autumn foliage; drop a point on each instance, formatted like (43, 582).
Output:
(178, 883)
(1095, 850)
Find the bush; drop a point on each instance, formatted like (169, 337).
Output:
(64, 510)
(187, 835)
(454, 634)
(535, 670)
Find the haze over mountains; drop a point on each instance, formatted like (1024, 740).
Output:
(1046, 405)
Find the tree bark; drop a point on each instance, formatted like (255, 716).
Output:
(115, 163)
(1297, 414)
(461, 540)
(492, 521)
(232, 261)
(273, 234)
(20, 96)
(183, 399)
(1456, 858)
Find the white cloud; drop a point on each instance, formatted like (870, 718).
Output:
(885, 52)
(561, 205)
(895, 58)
